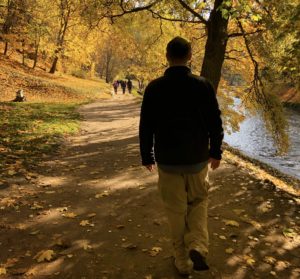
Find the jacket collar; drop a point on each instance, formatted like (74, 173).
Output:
(177, 70)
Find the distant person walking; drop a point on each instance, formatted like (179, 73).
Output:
(115, 86)
(123, 86)
(181, 125)
(129, 86)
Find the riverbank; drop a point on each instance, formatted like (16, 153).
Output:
(263, 171)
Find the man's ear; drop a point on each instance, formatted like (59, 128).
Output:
(168, 57)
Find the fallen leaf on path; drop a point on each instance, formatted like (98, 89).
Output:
(86, 246)
(269, 260)
(11, 262)
(288, 232)
(91, 215)
(129, 246)
(11, 172)
(155, 251)
(101, 195)
(232, 223)
(119, 227)
(36, 206)
(69, 215)
(222, 237)
(34, 232)
(2, 270)
(85, 223)
(148, 277)
(273, 273)
(249, 260)
(50, 192)
(229, 250)
(44, 255)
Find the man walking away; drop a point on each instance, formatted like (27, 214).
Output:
(181, 125)
(129, 86)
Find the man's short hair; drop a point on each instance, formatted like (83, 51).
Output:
(178, 49)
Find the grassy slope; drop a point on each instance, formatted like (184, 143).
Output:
(31, 130)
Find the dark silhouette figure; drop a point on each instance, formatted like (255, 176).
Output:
(20, 96)
(129, 86)
(123, 86)
(115, 86)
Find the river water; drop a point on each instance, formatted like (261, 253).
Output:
(254, 141)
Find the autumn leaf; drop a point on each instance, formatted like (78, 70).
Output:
(155, 251)
(85, 223)
(35, 232)
(91, 215)
(249, 260)
(2, 270)
(44, 255)
(269, 260)
(101, 195)
(287, 232)
(129, 246)
(69, 215)
(232, 223)
(229, 250)
(11, 172)
(86, 246)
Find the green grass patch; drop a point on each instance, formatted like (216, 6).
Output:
(29, 131)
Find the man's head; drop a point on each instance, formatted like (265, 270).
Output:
(179, 51)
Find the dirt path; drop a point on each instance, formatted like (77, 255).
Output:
(99, 211)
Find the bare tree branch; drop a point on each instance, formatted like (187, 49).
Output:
(240, 34)
(133, 10)
(275, 118)
(158, 16)
(192, 11)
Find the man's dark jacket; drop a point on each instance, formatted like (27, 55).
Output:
(180, 118)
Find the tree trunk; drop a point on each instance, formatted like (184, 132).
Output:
(35, 57)
(54, 64)
(36, 52)
(23, 53)
(107, 67)
(5, 48)
(92, 69)
(215, 47)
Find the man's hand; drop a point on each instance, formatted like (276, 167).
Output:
(150, 167)
(214, 163)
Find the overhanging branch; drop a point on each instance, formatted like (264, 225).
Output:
(241, 34)
(156, 15)
(192, 11)
(133, 10)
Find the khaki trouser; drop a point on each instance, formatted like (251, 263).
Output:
(185, 197)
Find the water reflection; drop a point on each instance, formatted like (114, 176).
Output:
(255, 142)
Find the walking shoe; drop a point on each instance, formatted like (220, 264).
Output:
(183, 267)
(198, 260)
(182, 262)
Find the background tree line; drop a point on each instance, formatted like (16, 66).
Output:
(254, 43)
